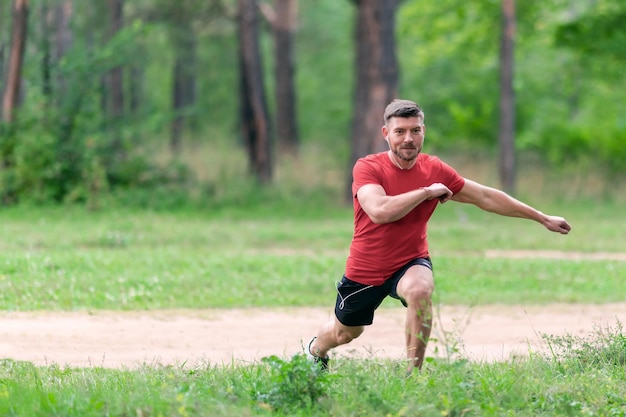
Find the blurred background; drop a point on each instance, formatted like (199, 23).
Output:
(166, 103)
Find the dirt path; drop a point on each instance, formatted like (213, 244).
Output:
(192, 337)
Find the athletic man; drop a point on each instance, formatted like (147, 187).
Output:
(395, 193)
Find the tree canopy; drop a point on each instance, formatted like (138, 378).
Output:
(67, 144)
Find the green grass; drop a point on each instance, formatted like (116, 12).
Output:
(72, 259)
(567, 385)
(291, 255)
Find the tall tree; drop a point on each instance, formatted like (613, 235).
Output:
(46, 71)
(57, 38)
(16, 58)
(64, 103)
(506, 163)
(283, 20)
(10, 97)
(376, 70)
(2, 46)
(114, 82)
(254, 119)
(2, 39)
(184, 71)
(63, 36)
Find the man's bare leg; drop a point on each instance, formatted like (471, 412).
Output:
(418, 325)
(332, 334)
(416, 287)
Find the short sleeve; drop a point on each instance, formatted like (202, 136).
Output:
(452, 179)
(363, 173)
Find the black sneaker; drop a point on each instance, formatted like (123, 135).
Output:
(318, 360)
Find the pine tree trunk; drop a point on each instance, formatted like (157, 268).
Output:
(46, 23)
(507, 166)
(11, 94)
(63, 39)
(286, 113)
(376, 77)
(115, 84)
(183, 89)
(253, 111)
(2, 49)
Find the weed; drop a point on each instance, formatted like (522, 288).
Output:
(292, 384)
(450, 340)
(601, 348)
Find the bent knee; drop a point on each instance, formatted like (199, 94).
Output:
(418, 295)
(345, 335)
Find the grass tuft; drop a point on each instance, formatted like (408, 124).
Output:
(605, 347)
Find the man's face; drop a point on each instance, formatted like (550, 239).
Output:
(405, 136)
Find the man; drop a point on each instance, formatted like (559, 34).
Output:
(395, 194)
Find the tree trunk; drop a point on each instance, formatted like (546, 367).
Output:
(10, 97)
(254, 113)
(507, 169)
(286, 110)
(183, 89)
(115, 82)
(46, 55)
(57, 39)
(376, 77)
(2, 49)
(16, 58)
(63, 39)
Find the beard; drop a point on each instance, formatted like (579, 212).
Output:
(408, 153)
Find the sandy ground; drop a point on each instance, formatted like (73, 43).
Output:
(199, 337)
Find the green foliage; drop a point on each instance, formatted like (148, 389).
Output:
(568, 104)
(294, 385)
(324, 73)
(436, 44)
(67, 148)
(599, 31)
(63, 150)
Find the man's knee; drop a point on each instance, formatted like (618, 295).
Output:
(418, 294)
(346, 334)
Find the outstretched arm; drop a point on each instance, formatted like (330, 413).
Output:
(496, 201)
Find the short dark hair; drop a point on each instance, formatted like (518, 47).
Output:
(402, 108)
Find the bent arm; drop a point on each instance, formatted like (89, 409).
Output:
(496, 201)
(382, 208)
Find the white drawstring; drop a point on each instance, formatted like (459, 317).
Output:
(343, 300)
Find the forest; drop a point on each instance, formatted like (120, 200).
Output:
(171, 168)
(189, 99)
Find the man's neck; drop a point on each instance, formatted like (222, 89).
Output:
(401, 163)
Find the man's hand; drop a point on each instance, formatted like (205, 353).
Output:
(438, 191)
(557, 224)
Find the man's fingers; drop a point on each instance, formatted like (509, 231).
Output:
(445, 197)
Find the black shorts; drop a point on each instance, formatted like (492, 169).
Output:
(357, 302)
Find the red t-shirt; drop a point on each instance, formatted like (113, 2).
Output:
(379, 250)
